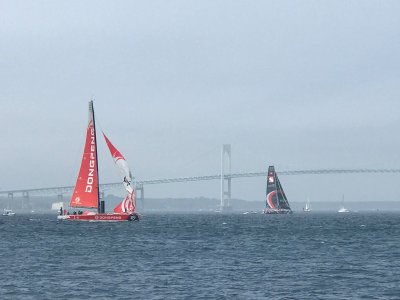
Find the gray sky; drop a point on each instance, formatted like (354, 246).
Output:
(297, 84)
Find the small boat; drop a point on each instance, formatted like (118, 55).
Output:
(87, 194)
(342, 209)
(249, 212)
(8, 212)
(308, 206)
(276, 202)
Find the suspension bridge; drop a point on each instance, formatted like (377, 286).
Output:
(225, 190)
(225, 178)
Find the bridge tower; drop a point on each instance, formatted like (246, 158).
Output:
(226, 191)
(139, 187)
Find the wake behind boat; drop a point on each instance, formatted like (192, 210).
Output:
(87, 194)
(276, 202)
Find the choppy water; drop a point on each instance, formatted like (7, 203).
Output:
(203, 256)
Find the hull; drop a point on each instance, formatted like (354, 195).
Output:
(8, 213)
(277, 211)
(101, 217)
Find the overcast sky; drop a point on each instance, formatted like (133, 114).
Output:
(297, 84)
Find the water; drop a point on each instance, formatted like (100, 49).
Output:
(203, 256)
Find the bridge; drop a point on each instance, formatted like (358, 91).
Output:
(225, 194)
(225, 178)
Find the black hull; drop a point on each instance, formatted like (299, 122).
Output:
(278, 211)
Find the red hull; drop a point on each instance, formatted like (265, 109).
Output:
(101, 217)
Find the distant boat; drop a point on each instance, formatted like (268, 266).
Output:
(342, 209)
(86, 193)
(8, 212)
(276, 202)
(308, 206)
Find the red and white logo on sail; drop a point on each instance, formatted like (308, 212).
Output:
(270, 201)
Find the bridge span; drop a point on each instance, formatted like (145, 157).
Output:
(60, 190)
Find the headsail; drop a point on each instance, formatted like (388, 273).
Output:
(276, 198)
(127, 205)
(86, 192)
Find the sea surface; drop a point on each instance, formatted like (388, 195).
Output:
(203, 256)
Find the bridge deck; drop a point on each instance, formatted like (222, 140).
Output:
(141, 183)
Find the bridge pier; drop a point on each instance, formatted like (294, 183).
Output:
(225, 204)
(25, 200)
(139, 187)
(10, 200)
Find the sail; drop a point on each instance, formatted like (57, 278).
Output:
(276, 198)
(282, 200)
(129, 203)
(86, 192)
(308, 206)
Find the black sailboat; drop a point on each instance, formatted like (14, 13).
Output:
(276, 202)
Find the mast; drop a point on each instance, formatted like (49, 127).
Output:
(91, 108)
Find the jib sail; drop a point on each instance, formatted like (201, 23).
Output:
(129, 203)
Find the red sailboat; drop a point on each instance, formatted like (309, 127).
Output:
(86, 193)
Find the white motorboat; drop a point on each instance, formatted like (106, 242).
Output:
(8, 212)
